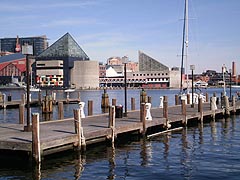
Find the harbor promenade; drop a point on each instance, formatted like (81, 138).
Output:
(59, 135)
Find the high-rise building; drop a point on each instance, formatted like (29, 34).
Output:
(14, 45)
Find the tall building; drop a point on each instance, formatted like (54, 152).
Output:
(14, 45)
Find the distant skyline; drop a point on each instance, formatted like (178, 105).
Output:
(106, 28)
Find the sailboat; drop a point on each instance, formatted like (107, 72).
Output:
(185, 91)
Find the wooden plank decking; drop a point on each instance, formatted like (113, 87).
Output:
(60, 134)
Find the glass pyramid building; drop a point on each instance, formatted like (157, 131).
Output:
(146, 63)
(64, 47)
(67, 50)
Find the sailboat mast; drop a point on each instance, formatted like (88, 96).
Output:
(184, 42)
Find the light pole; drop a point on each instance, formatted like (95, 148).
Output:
(230, 72)
(27, 50)
(192, 67)
(125, 87)
(224, 85)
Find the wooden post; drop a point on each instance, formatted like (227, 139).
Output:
(114, 102)
(184, 112)
(77, 120)
(165, 114)
(143, 117)
(200, 108)
(60, 110)
(143, 97)
(90, 108)
(36, 151)
(227, 110)
(212, 106)
(105, 100)
(188, 98)
(176, 99)
(149, 99)
(207, 97)
(23, 99)
(21, 113)
(111, 123)
(234, 104)
(183, 107)
(133, 106)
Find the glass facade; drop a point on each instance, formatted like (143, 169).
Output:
(39, 44)
(146, 63)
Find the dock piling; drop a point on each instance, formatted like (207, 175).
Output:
(184, 112)
(111, 123)
(60, 110)
(36, 151)
(81, 144)
(143, 117)
(133, 105)
(90, 107)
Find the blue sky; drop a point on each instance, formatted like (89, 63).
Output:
(105, 28)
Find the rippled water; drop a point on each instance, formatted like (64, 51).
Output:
(210, 151)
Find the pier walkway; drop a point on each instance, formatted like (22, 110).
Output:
(59, 135)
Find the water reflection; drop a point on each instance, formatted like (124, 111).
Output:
(146, 152)
(80, 161)
(111, 161)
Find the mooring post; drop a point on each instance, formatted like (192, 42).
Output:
(184, 112)
(21, 113)
(149, 99)
(60, 110)
(23, 99)
(188, 98)
(206, 97)
(143, 117)
(114, 102)
(143, 96)
(36, 151)
(90, 107)
(105, 99)
(200, 108)
(165, 113)
(133, 106)
(227, 110)
(176, 99)
(234, 103)
(111, 123)
(213, 106)
(77, 123)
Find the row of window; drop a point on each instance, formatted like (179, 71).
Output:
(155, 74)
(136, 80)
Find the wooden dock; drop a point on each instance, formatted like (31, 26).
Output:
(59, 135)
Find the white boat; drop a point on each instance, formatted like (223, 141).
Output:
(69, 90)
(184, 92)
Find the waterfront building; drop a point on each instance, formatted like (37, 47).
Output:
(64, 64)
(14, 45)
(147, 73)
(12, 65)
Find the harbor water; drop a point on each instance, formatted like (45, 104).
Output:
(210, 151)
